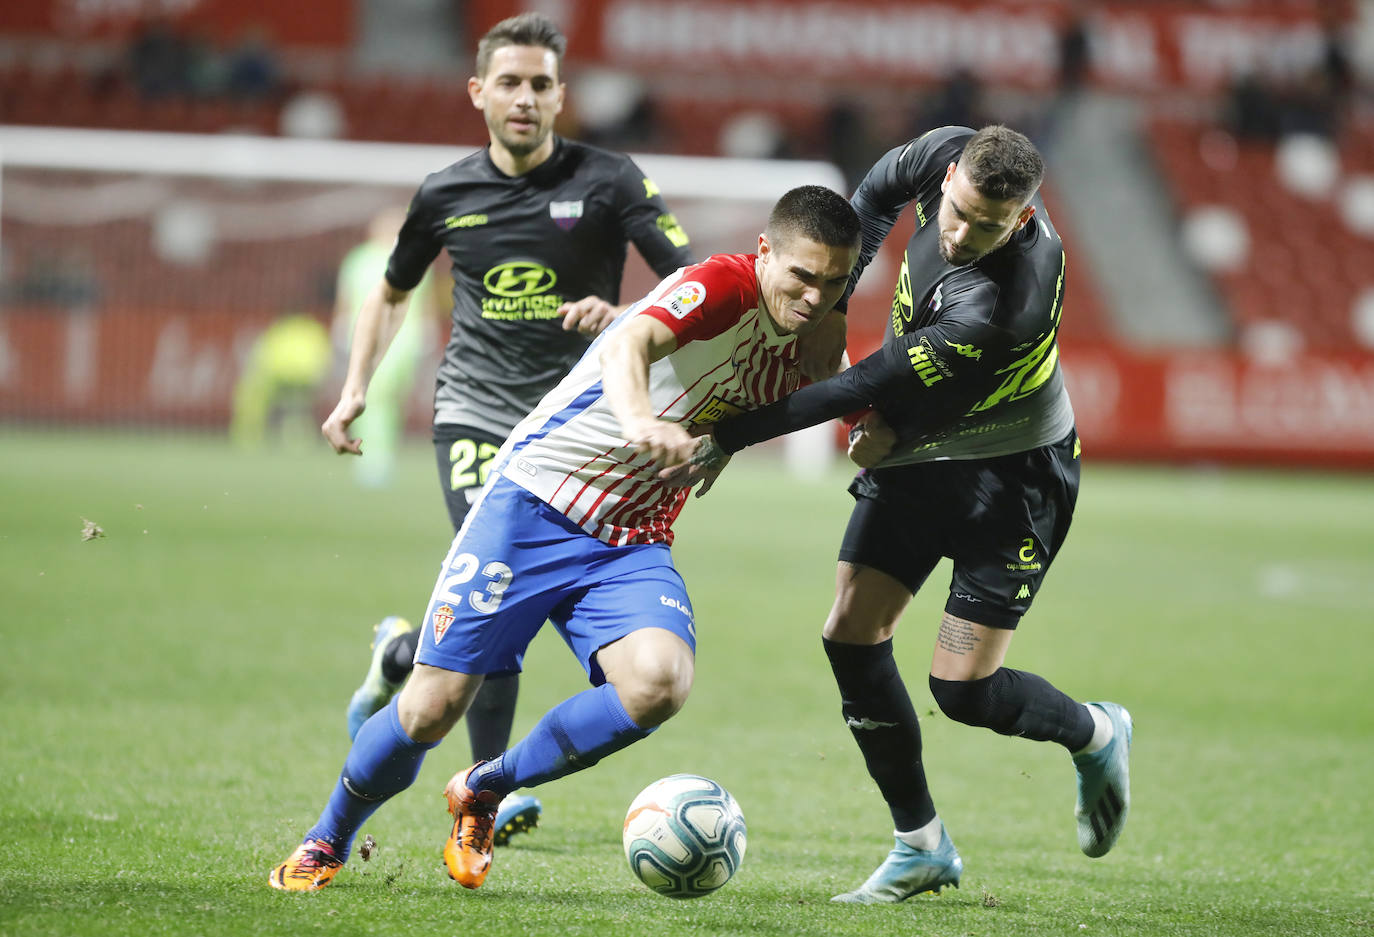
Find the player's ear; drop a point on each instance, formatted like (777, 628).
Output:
(1026, 214)
(562, 92)
(949, 176)
(764, 247)
(475, 92)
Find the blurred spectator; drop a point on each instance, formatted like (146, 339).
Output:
(1252, 109)
(1073, 51)
(1311, 106)
(849, 141)
(959, 103)
(56, 278)
(252, 72)
(160, 60)
(614, 110)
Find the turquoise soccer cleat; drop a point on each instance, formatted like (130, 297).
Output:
(518, 813)
(908, 871)
(1104, 786)
(376, 690)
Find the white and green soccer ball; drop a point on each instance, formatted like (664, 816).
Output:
(684, 836)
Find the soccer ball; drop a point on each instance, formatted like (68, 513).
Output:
(684, 836)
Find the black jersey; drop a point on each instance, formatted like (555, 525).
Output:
(969, 366)
(520, 247)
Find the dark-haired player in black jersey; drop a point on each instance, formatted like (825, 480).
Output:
(969, 439)
(536, 228)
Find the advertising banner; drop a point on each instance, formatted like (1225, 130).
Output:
(170, 368)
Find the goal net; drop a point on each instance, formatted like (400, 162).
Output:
(137, 270)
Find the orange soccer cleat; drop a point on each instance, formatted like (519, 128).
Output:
(311, 867)
(468, 850)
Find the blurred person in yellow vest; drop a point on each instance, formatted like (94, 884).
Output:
(383, 423)
(281, 378)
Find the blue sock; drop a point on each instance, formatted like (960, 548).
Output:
(575, 734)
(382, 762)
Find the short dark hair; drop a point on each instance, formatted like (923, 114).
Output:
(1002, 164)
(814, 212)
(526, 29)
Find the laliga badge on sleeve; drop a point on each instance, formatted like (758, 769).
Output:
(684, 298)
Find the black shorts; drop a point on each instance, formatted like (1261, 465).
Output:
(464, 455)
(1000, 520)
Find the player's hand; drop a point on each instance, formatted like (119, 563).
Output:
(871, 440)
(589, 316)
(822, 351)
(665, 443)
(335, 426)
(705, 466)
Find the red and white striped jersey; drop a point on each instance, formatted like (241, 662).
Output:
(570, 451)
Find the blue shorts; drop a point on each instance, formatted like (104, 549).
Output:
(517, 562)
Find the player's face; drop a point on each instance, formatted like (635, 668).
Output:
(973, 225)
(519, 96)
(801, 280)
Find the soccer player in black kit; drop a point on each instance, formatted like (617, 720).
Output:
(971, 454)
(536, 228)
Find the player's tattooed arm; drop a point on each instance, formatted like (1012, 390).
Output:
(705, 466)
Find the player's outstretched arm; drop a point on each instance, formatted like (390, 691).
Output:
(379, 319)
(625, 361)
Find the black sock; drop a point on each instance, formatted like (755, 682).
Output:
(491, 716)
(878, 710)
(1014, 702)
(399, 658)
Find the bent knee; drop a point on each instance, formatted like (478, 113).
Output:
(655, 692)
(966, 701)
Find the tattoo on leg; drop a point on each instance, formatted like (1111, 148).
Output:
(956, 635)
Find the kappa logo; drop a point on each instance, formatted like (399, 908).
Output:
(968, 351)
(684, 298)
(868, 724)
(565, 214)
(443, 617)
(1023, 592)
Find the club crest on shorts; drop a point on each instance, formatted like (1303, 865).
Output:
(684, 298)
(443, 617)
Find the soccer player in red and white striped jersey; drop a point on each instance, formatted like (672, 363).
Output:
(573, 526)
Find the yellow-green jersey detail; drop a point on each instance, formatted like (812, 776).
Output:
(969, 367)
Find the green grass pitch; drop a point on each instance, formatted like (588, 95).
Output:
(173, 700)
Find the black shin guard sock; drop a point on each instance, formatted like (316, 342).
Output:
(491, 716)
(398, 660)
(1014, 702)
(878, 710)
